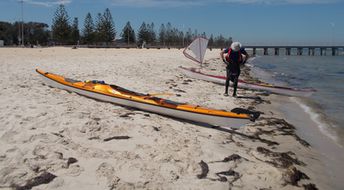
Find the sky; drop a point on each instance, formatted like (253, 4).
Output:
(252, 22)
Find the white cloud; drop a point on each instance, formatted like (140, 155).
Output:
(179, 3)
(271, 2)
(47, 3)
(157, 3)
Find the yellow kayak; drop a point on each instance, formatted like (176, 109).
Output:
(118, 95)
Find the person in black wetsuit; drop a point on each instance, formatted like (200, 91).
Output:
(235, 57)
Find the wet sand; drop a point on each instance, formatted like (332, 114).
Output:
(329, 153)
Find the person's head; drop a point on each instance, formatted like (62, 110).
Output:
(236, 46)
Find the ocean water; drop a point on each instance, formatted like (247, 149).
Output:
(323, 73)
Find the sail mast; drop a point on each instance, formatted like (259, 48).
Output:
(200, 50)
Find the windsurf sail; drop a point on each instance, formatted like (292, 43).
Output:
(196, 50)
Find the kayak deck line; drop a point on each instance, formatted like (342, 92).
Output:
(122, 96)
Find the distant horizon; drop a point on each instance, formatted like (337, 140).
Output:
(254, 22)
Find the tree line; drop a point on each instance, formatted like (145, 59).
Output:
(101, 31)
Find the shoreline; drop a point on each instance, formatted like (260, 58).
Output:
(324, 126)
(323, 112)
(315, 128)
(311, 127)
(324, 161)
(59, 136)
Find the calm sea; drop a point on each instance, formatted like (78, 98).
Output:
(323, 73)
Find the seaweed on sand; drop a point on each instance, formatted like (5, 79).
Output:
(280, 159)
(281, 127)
(205, 170)
(117, 138)
(44, 178)
(230, 172)
(293, 176)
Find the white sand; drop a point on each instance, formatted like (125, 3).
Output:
(42, 127)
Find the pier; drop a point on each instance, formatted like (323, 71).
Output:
(298, 50)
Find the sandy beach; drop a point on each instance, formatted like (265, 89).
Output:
(54, 139)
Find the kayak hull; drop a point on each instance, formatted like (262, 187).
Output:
(190, 72)
(215, 120)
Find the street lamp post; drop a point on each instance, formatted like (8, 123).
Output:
(183, 35)
(22, 23)
(332, 33)
(128, 36)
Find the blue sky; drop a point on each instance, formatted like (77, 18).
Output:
(249, 21)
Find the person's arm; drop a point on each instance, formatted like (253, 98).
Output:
(246, 57)
(223, 57)
(244, 52)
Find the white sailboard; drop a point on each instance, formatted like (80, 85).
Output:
(196, 50)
